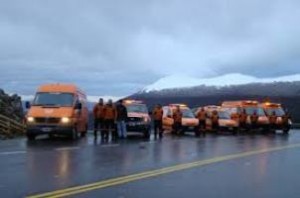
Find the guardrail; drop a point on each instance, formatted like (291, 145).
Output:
(10, 128)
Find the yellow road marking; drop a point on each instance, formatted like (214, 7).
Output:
(153, 173)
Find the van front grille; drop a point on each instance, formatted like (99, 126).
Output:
(50, 120)
(134, 119)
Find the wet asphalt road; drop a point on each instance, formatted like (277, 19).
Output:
(30, 168)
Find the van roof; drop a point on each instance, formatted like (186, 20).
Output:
(179, 104)
(240, 103)
(270, 105)
(59, 87)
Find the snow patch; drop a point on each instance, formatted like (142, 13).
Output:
(184, 81)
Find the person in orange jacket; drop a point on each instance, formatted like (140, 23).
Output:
(254, 120)
(109, 120)
(157, 117)
(177, 117)
(98, 117)
(243, 119)
(201, 116)
(215, 121)
(273, 120)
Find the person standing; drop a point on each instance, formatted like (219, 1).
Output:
(201, 116)
(254, 120)
(177, 117)
(98, 117)
(243, 119)
(273, 120)
(121, 119)
(109, 120)
(157, 117)
(215, 121)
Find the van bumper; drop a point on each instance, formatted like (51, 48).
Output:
(189, 128)
(49, 129)
(138, 128)
(228, 128)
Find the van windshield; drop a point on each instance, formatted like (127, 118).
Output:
(224, 115)
(132, 108)
(187, 113)
(53, 99)
(259, 111)
(278, 111)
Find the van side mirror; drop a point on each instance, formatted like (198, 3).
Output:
(78, 106)
(27, 104)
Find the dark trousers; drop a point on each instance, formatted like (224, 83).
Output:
(202, 125)
(215, 126)
(243, 125)
(158, 128)
(273, 126)
(177, 128)
(98, 124)
(109, 126)
(254, 125)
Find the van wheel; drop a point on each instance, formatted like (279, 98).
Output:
(31, 137)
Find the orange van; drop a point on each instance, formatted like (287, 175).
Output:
(189, 122)
(283, 121)
(57, 109)
(250, 106)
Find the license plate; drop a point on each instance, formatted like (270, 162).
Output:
(46, 129)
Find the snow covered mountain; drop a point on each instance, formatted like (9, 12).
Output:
(184, 81)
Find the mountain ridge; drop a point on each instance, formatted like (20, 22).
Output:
(179, 81)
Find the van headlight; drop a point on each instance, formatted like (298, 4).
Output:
(65, 120)
(30, 119)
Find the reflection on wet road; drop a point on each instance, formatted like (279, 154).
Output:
(30, 168)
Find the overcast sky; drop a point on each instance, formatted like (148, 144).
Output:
(117, 47)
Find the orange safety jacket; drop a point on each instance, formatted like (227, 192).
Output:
(98, 111)
(272, 119)
(201, 115)
(177, 116)
(158, 114)
(254, 118)
(214, 118)
(243, 118)
(109, 112)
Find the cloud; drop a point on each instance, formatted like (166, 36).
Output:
(117, 47)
